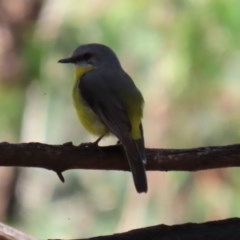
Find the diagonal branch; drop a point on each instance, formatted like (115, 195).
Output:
(216, 230)
(64, 157)
(10, 233)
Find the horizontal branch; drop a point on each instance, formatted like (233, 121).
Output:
(216, 230)
(63, 157)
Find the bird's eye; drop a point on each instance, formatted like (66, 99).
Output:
(86, 56)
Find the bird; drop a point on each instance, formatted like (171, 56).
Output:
(108, 102)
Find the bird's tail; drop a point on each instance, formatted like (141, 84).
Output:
(135, 152)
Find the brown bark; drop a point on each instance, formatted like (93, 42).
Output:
(216, 230)
(64, 157)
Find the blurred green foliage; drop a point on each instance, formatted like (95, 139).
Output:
(184, 56)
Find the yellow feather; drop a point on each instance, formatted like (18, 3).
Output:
(88, 118)
(135, 119)
(134, 109)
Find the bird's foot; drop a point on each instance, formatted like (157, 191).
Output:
(68, 144)
(93, 145)
(118, 142)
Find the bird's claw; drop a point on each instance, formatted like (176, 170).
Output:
(89, 145)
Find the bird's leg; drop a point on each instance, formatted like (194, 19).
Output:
(98, 140)
(92, 144)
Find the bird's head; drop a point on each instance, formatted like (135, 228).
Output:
(91, 56)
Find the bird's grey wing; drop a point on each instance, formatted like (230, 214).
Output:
(102, 98)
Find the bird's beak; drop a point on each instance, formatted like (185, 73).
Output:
(66, 60)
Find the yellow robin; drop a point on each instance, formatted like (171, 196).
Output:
(107, 101)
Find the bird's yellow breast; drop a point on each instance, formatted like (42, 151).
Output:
(86, 115)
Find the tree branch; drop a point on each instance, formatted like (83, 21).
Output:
(9, 233)
(63, 157)
(216, 230)
(60, 158)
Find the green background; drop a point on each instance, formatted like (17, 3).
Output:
(184, 57)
